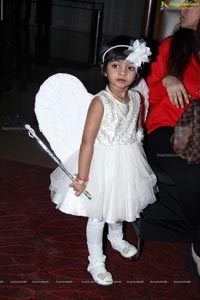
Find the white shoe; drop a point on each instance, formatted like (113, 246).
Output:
(98, 271)
(124, 248)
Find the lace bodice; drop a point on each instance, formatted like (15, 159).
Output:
(119, 122)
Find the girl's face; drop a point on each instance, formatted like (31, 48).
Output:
(120, 74)
(190, 15)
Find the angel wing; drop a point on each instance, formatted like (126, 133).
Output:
(61, 106)
(143, 89)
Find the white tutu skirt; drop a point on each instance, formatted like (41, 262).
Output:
(121, 183)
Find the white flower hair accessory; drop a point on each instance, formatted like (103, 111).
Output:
(138, 53)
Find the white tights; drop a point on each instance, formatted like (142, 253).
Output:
(94, 234)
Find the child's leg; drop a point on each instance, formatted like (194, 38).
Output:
(115, 236)
(96, 267)
(94, 234)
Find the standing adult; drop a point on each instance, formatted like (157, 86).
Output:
(174, 81)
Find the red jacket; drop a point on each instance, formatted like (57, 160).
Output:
(162, 112)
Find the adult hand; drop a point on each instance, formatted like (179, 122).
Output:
(77, 187)
(176, 91)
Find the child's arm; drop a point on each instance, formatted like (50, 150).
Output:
(92, 124)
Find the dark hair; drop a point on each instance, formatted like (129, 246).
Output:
(116, 53)
(184, 43)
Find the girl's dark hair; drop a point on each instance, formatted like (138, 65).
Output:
(114, 54)
(184, 43)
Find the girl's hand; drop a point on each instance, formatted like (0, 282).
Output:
(176, 91)
(77, 187)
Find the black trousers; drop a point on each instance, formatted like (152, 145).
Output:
(176, 214)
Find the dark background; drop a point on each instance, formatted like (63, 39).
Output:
(41, 37)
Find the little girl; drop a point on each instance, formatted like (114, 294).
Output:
(111, 161)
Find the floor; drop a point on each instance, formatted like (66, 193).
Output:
(18, 100)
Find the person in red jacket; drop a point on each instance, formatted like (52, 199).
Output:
(174, 81)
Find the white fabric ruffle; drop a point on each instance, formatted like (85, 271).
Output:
(121, 184)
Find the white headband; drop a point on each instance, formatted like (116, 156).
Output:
(137, 52)
(117, 46)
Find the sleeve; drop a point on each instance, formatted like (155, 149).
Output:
(158, 70)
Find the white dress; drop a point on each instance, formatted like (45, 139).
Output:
(121, 181)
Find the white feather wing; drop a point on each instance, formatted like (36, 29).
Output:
(143, 89)
(61, 106)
